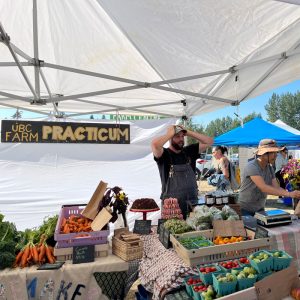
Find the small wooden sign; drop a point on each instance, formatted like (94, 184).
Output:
(261, 232)
(226, 228)
(83, 254)
(142, 226)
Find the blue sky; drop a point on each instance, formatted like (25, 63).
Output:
(256, 104)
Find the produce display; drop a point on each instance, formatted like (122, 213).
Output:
(75, 224)
(144, 203)
(204, 216)
(195, 242)
(295, 293)
(230, 264)
(246, 272)
(171, 209)
(25, 248)
(176, 226)
(228, 240)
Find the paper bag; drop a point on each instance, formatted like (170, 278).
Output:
(226, 228)
(102, 219)
(92, 208)
(277, 285)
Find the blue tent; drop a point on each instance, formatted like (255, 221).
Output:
(254, 131)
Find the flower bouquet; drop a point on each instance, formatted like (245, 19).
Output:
(291, 173)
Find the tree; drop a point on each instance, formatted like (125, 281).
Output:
(17, 115)
(285, 107)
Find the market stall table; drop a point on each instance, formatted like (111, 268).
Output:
(287, 238)
(81, 281)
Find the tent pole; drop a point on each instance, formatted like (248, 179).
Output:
(7, 42)
(27, 109)
(36, 50)
(49, 92)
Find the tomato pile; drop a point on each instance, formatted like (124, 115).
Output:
(192, 281)
(200, 288)
(230, 264)
(206, 270)
(244, 260)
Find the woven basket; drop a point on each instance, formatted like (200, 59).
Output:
(128, 250)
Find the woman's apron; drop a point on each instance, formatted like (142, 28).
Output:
(181, 184)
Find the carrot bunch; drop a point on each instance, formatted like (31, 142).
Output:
(75, 224)
(35, 254)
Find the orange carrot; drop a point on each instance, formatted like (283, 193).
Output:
(50, 258)
(42, 253)
(18, 258)
(35, 254)
(25, 256)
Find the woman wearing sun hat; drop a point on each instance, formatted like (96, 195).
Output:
(258, 179)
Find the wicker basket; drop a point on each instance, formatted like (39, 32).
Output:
(128, 250)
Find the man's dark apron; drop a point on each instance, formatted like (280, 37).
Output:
(181, 184)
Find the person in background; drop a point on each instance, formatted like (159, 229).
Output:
(258, 179)
(222, 162)
(177, 163)
(280, 162)
(290, 156)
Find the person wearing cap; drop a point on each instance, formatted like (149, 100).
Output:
(177, 163)
(258, 179)
(280, 162)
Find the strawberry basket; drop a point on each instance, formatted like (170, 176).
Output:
(77, 238)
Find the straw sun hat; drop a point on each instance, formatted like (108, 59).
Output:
(267, 145)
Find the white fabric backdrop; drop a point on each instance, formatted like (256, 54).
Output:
(36, 179)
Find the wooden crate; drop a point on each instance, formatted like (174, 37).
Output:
(218, 252)
(63, 254)
(128, 250)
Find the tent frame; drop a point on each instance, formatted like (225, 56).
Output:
(166, 85)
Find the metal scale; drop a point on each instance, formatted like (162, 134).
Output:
(275, 217)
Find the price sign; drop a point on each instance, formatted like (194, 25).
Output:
(83, 254)
(142, 226)
(160, 221)
(261, 232)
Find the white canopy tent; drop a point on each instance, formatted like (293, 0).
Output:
(172, 58)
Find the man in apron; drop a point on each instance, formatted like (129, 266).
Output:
(177, 164)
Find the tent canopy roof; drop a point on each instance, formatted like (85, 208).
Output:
(169, 57)
(254, 131)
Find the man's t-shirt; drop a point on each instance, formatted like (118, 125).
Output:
(251, 198)
(189, 154)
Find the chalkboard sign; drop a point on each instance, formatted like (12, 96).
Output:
(83, 254)
(164, 236)
(160, 221)
(142, 226)
(261, 232)
(53, 266)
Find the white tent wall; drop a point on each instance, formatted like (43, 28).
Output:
(37, 179)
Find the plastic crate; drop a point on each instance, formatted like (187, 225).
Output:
(224, 288)
(263, 266)
(280, 263)
(207, 277)
(189, 287)
(217, 253)
(77, 238)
